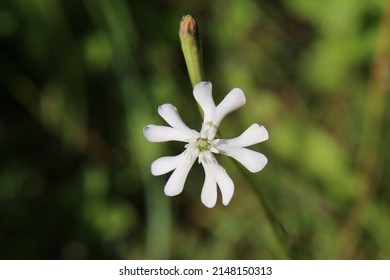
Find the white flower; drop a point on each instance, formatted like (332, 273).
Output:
(203, 145)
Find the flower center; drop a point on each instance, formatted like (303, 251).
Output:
(203, 144)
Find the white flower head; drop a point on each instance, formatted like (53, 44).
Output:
(203, 145)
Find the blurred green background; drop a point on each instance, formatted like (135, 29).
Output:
(79, 80)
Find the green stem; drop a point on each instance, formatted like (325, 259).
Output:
(277, 227)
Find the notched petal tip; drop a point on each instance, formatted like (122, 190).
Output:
(238, 96)
(145, 131)
(264, 133)
(164, 165)
(201, 90)
(262, 161)
(227, 193)
(172, 192)
(227, 201)
(172, 188)
(255, 134)
(148, 132)
(203, 86)
(166, 107)
(209, 205)
(208, 201)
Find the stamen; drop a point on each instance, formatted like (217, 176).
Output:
(203, 144)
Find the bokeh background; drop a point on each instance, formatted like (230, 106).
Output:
(79, 80)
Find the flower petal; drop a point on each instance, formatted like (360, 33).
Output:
(169, 113)
(159, 133)
(253, 161)
(175, 183)
(203, 95)
(224, 182)
(209, 190)
(164, 165)
(232, 101)
(253, 135)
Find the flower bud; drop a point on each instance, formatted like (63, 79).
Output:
(192, 49)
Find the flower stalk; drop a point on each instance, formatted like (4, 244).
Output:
(192, 49)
